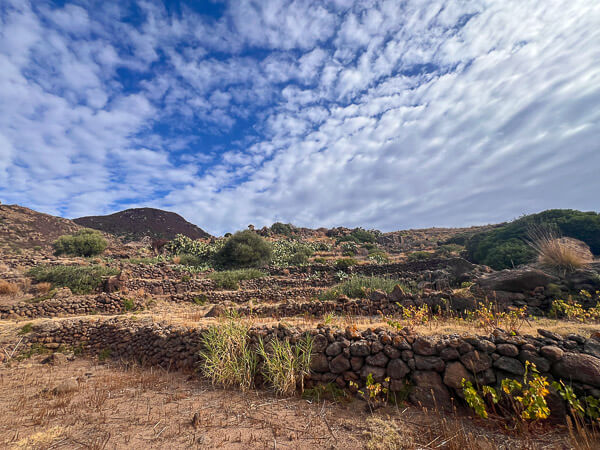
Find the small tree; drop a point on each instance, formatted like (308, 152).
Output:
(85, 242)
(244, 249)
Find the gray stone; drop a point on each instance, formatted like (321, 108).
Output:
(360, 348)
(429, 390)
(429, 363)
(476, 361)
(391, 352)
(449, 354)
(356, 362)
(377, 372)
(515, 280)
(507, 349)
(455, 373)
(397, 368)
(578, 367)
(592, 346)
(319, 343)
(486, 346)
(319, 363)
(424, 346)
(552, 353)
(510, 365)
(549, 334)
(541, 363)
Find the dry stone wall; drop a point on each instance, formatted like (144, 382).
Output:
(433, 366)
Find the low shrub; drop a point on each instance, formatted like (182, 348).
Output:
(229, 279)
(80, 279)
(8, 288)
(85, 242)
(284, 229)
(419, 256)
(244, 249)
(227, 357)
(191, 260)
(284, 366)
(345, 263)
(556, 253)
(360, 287)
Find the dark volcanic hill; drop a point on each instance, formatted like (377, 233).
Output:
(136, 223)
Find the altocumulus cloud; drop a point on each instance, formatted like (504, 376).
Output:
(387, 114)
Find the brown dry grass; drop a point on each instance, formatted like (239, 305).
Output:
(124, 406)
(8, 288)
(561, 254)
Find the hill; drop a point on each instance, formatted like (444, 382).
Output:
(23, 228)
(137, 223)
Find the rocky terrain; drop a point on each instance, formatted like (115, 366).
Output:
(400, 313)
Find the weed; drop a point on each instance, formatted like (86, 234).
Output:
(128, 304)
(27, 328)
(8, 288)
(360, 287)
(329, 391)
(104, 354)
(284, 366)
(200, 300)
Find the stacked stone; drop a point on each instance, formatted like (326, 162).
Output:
(433, 365)
(67, 305)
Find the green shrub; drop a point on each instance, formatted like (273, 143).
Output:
(419, 256)
(227, 357)
(229, 279)
(191, 260)
(85, 242)
(506, 245)
(379, 257)
(285, 229)
(244, 249)
(288, 252)
(360, 287)
(349, 248)
(345, 263)
(80, 279)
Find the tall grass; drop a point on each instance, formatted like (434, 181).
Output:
(8, 288)
(555, 252)
(284, 366)
(227, 357)
(229, 279)
(80, 279)
(360, 287)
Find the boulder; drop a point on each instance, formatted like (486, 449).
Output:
(429, 363)
(578, 367)
(319, 363)
(425, 346)
(552, 353)
(429, 390)
(455, 373)
(515, 280)
(397, 369)
(476, 361)
(339, 364)
(509, 365)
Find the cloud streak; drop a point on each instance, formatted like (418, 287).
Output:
(378, 113)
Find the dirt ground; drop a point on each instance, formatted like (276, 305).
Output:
(89, 404)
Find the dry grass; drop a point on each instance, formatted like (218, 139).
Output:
(42, 288)
(8, 288)
(555, 252)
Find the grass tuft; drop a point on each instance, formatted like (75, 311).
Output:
(229, 279)
(80, 279)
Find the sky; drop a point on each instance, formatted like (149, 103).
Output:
(383, 114)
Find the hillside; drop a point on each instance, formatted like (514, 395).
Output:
(24, 228)
(137, 223)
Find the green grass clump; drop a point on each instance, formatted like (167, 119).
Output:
(229, 279)
(284, 366)
(345, 263)
(227, 357)
(27, 328)
(80, 279)
(360, 287)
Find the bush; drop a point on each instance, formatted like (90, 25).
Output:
(506, 245)
(285, 229)
(419, 256)
(360, 287)
(203, 252)
(80, 279)
(345, 263)
(191, 260)
(227, 357)
(349, 248)
(244, 249)
(287, 252)
(85, 242)
(229, 279)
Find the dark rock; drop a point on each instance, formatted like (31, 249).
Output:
(507, 349)
(391, 352)
(541, 363)
(592, 346)
(455, 373)
(425, 346)
(319, 363)
(476, 361)
(429, 363)
(578, 367)
(510, 365)
(378, 359)
(320, 343)
(449, 354)
(552, 353)
(377, 372)
(486, 346)
(356, 362)
(549, 334)
(516, 280)
(334, 349)
(360, 348)
(429, 390)
(339, 364)
(397, 368)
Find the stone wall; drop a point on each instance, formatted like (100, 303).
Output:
(67, 305)
(432, 365)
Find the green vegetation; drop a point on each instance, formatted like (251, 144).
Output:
(360, 236)
(329, 391)
(229, 279)
(104, 354)
(27, 328)
(419, 256)
(128, 304)
(345, 263)
(244, 249)
(506, 246)
(360, 287)
(284, 366)
(191, 260)
(285, 229)
(227, 356)
(203, 253)
(80, 279)
(287, 252)
(85, 242)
